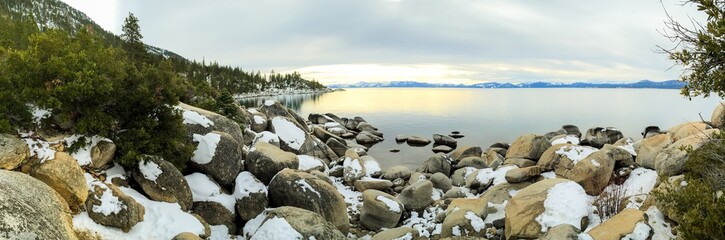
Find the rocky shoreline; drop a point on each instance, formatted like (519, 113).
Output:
(278, 92)
(282, 176)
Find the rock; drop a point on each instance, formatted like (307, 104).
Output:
(353, 169)
(323, 176)
(186, 236)
(372, 183)
(266, 160)
(397, 233)
(441, 181)
(463, 223)
(102, 154)
(124, 214)
(219, 156)
(493, 158)
(456, 135)
(523, 209)
(648, 149)
(687, 129)
(366, 137)
(466, 151)
(324, 135)
(316, 118)
(551, 135)
(417, 141)
(502, 192)
(65, 176)
(397, 172)
(458, 178)
(479, 206)
(622, 156)
(292, 135)
(437, 163)
(417, 196)
(562, 232)
(474, 162)
(394, 150)
(593, 172)
(380, 210)
(161, 181)
(13, 151)
(439, 139)
(650, 131)
(307, 223)
(338, 147)
(528, 146)
(372, 167)
(671, 160)
(303, 190)
(572, 130)
(401, 138)
(520, 162)
(251, 196)
(364, 126)
(273, 109)
(674, 183)
(31, 209)
(518, 175)
(455, 192)
(564, 138)
(480, 179)
(249, 135)
(718, 116)
(500, 145)
(215, 213)
(207, 227)
(200, 121)
(442, 149)
(259, 122)
(598, 136)
(619, 225)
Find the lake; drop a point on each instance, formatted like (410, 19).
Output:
(486, 116)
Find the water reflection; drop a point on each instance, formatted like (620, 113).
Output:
(486, 116)
(292, 101)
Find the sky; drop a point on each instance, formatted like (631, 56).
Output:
(455, 41)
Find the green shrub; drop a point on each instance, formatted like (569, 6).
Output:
(699, 206)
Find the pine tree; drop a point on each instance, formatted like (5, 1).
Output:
(132, 39)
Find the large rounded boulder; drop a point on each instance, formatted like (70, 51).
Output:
(219, 155)
(528, 146)
(417, 196)
(161, 181)
(648, 149)
(592, 171)
(13, 151)
(598, 136)
(290, 223)
(718, 116)
(265, 160)
(543, 205)
(65, 176)
(31, 209)
(250, 195)
(200, 121)
(109, 206)
(438, 163)
(380, 210)
(303, 190)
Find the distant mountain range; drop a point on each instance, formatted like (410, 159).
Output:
(671, 84)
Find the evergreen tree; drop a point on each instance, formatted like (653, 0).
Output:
(131, 37)
(701, 50)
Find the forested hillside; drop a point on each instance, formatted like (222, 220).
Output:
(206, 80)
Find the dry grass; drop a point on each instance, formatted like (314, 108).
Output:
(611, 201)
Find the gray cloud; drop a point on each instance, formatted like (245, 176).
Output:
(488, 40)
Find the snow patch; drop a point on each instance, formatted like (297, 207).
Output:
(476, 222)
(566, 203)
(548, 175)
(268, 103)
(639, 183)
(629, 146)
(265, 136)
(499, 214)
(83, 154)
(150, 170)
(425, 224)
(306, 186)
(39, 113)
(353, 199)
(161, 221)
(288, 132)
(641, 232)
(39, 148)
(573, 139)
(246, 184)
(371, 166)
(204, 189)
(116, 171)
(206, 149)
(407, 236)
(661, 228)
(576, 153)
(259, 119)
(309, 162)
(392, 205)
(273, 228)
(191, 117)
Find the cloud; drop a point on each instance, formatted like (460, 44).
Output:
(426, 40)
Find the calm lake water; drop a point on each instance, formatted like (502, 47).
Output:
(486, 116)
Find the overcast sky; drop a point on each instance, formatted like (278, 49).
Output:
(457, 41)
